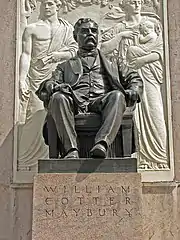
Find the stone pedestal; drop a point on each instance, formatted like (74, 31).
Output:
(86, 206)
(88, 165)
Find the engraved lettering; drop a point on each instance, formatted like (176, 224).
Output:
(50, 189)
(129, 212)
(63, 214)
(49, 201)
(110, 189)
(75, 189)
(125, 190)
(87, 190)
(96, 200)
(80, 200)
(100, 202)
(102, 213)
(76, 211)
(64, 189)
(115, 212)
(49, 213)
(89, 212)
(128, 200)
(111, 200)
(64, 201)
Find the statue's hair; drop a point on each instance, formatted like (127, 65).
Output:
(58, 2)
(124, 2)
(79, 23)
(148, 24)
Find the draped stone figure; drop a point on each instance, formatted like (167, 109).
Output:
(137, 42)
(45, 43)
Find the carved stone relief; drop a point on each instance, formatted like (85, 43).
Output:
(132, 34)
(137, 41)
(43, 46)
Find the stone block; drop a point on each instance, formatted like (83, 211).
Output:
(87, 165)
(101, 206)
(159, 206)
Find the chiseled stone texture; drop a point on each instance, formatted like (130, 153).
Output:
(7, 70)
(160, 206)
(5, 212)
(22, 217)
(65, 208)
(7, 76)
(160, 213)
(174, 45)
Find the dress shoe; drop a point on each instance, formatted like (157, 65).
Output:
(98, 151)
(72, 154)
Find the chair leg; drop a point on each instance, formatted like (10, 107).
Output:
(52, 138)
(127, 139)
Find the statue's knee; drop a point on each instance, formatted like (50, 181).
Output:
(58, 97)
(117, 95)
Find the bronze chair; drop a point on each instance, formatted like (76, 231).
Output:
(87, 126)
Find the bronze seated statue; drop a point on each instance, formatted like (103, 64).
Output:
(88, 96)
(87, 125)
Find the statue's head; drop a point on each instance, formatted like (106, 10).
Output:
(86, 33)
(132, 6)
(50, 7)
(146, 27)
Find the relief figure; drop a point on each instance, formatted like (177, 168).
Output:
(137, 42)
(45, 43)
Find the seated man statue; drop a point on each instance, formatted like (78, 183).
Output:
(89, 83)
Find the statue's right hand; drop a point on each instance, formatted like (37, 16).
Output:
(23, 90)
(50, 88)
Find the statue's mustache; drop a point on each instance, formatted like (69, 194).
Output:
(90, 37)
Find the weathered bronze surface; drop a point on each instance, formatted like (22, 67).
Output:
(89, 83)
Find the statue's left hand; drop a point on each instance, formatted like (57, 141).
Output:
(63, 87)
(131, 97)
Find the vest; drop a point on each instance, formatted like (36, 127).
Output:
(94, 82)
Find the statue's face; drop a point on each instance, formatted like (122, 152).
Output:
(133, 6)
(49, 8)
(146, 28)
(87, 36)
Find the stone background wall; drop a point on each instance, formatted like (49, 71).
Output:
(161, 201)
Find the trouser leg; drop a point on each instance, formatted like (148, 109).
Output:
(111, 106)
(62, 110)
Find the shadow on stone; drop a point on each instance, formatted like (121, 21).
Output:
(87, 167)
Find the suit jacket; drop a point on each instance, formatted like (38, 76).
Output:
(120, 77)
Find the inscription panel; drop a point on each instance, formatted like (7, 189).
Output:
(96, 206)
